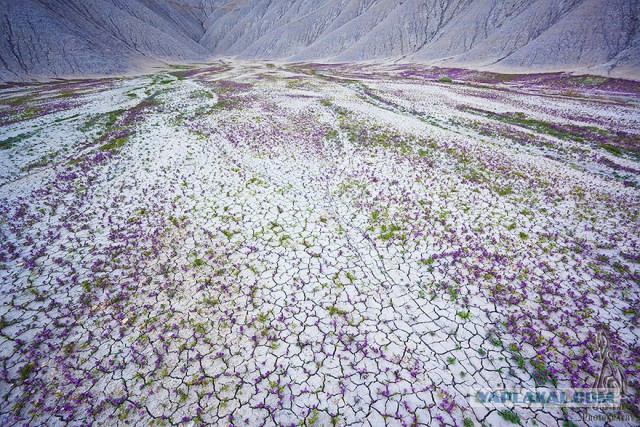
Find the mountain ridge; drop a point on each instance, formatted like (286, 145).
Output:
(71, 38)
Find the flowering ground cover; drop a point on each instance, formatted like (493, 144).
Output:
(252, 244)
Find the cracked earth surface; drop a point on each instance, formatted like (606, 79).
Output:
(259, 245)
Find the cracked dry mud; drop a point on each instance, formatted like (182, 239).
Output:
(255, 245)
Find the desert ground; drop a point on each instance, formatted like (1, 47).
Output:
(256, 244)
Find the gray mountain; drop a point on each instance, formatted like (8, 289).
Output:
(59, 38)
(50, 38)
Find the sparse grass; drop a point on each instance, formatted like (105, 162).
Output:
(606, 139)
(7, 143)
(63, 119)
(313, 418)
(464, 314)
(612, 149)
(114, 144)
(541, 373)
(25, 371)
(509, 416)
(4, 323)
(387, 232)
(520, 361)
(202, 94)
(504, 191)
(493, 339)
(335, 310)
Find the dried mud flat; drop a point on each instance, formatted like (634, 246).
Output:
(252, 244)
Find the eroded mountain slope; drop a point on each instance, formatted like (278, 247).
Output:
(59, 38)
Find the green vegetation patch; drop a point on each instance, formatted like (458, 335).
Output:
(616, 142)
(7, 143)
(510, 416)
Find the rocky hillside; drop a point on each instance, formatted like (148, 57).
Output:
(49, 38)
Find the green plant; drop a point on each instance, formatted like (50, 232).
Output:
(520, 361)
(11, 141)
(509, 416)
(313, 418)
(333, 310)
(612, 149)
(504, 191)
(495, 340)
(114, 144)
(464, 314)
(387, 232)
(427, 261)
(26, 370)
(542, 374)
